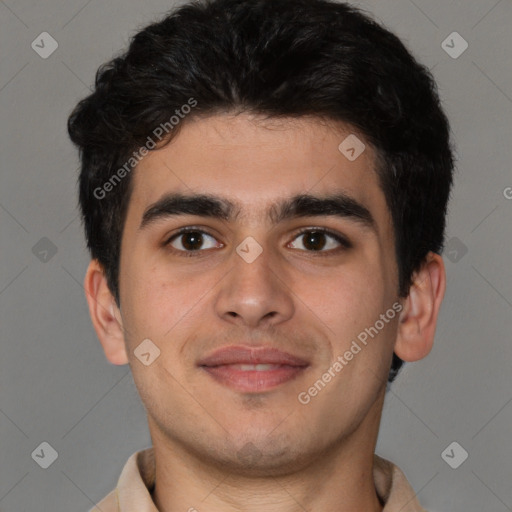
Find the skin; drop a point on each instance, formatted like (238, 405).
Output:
(317, 456)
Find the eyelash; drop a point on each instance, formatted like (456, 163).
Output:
(345, 244)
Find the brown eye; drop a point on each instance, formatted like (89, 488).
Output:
(192, 240)
(317, 240)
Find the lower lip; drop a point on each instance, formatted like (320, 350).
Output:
(253, 380)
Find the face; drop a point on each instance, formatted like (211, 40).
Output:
(306, 280)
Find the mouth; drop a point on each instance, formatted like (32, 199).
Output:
(252, 369)
(253, 378)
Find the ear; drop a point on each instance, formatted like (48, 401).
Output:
(417, 324)
(105, 315)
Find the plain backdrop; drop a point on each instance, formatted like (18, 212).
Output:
(56, 386)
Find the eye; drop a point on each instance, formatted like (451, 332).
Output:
(317, 240)
(192, 240)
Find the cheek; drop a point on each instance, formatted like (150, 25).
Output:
(350, 299)
(160, 305)
(145, 302)
(349, 306)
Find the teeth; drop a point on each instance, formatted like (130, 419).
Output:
(259, 367)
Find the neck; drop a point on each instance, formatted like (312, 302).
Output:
(340, 479)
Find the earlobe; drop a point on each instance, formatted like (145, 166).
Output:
(417, 324)
(105, 315)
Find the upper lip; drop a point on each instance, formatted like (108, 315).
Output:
(251, 355)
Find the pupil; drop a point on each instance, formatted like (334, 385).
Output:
(195, 240)
(312, 241)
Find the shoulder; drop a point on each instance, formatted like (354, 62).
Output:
(107, 504)
(393, 488)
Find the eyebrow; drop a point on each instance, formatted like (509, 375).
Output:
(301, 205)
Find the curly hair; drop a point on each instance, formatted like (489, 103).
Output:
(279, 58)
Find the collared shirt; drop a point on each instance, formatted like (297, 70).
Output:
(133, 491)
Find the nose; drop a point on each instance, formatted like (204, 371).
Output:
(255, 293)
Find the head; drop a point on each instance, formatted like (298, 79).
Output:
(249, 101)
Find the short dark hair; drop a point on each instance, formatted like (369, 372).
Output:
(280, 58)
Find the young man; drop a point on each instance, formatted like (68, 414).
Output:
(264, 187)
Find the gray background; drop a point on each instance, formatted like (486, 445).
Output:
(55, 383)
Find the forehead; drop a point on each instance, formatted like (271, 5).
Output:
(256, 162)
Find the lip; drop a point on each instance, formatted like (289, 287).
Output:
(239, 354)
(225, 366)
